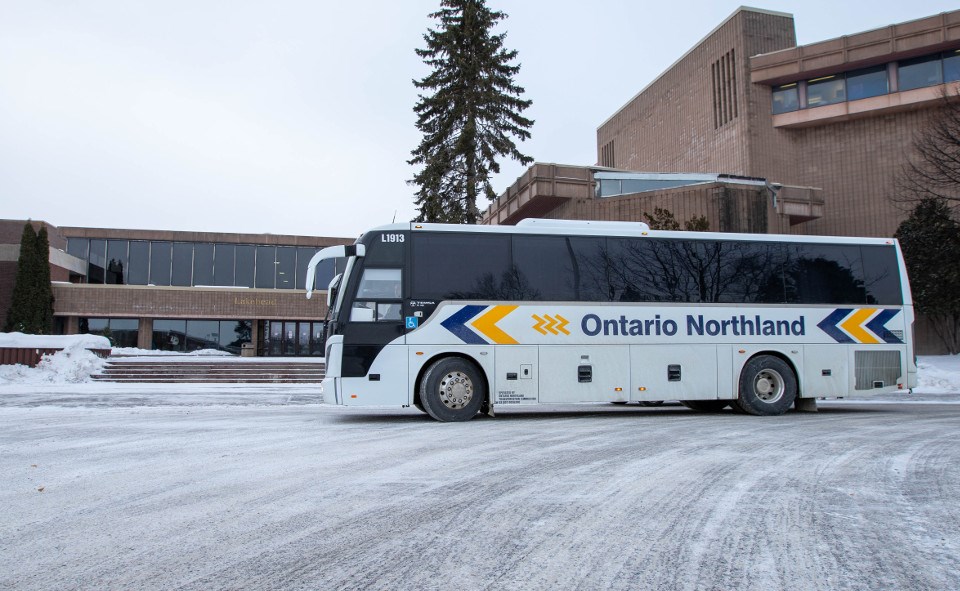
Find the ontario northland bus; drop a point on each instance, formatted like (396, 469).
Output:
(457, 320)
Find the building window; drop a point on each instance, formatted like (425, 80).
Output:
(97, 263)
(866, 83)
(951, 65)
(266, 266)
(122, 332)
(138, 272)
(160, 263)
(825, 91)
(786, 98)
(920, 72)
(203, 264)
(116, 262)
(223, 264)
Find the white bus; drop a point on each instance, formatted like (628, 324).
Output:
(457, 320)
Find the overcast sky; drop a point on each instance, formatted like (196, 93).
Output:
(295, 117)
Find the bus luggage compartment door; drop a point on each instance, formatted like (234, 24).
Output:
(579, 373)
(516, 375)
(674, 372)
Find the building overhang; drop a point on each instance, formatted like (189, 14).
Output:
(878, 46)
(544, 187)
(540, 190)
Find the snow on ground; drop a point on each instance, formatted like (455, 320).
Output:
(135, 352)
(939, 374)
(74, 364)
(18, 340)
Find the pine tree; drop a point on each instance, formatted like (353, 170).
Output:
(930, 240)
(20, 316)
(43, 305)
(471, 114)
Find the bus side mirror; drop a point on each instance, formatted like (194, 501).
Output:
(332, 289)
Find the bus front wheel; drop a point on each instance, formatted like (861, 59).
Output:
(768, 386)
(452, 389)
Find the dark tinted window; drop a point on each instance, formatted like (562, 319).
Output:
(591, 276)
(202, 334)
(919, 72)
(116, 262)
(139, 263)
(881, 275)
(223, 256)
(303, 257)
(824, 274)
(543, 267)
(951, 66)
(785, 98)
(182, 263)
(266, 262)
(169, 335)
(825, 91)
(244, 274)
(96, 269)
(203, 264)
(286, 267)
(233, 333)
(866, 83)
(160, 263)
(463, 266)
(78, 247)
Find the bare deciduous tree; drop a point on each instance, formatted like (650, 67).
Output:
(933, 168)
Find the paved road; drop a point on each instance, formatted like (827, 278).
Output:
(859, 496)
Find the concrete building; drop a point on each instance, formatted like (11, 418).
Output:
(746, 101)
(180, 291)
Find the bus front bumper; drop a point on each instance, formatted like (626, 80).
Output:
(329, 390)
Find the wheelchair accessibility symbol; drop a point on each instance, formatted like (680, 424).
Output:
(412, 322)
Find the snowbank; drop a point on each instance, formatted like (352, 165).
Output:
(134, 352)
(74, 364)
(18, 340)
(938, 374)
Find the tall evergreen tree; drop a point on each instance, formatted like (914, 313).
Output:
(469, 114)
(43, 306)
(930, 239)
(20, 316)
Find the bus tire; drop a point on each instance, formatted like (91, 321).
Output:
(705, 405)
(452, 389)
(768, 386)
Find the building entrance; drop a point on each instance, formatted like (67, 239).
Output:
(288, 338)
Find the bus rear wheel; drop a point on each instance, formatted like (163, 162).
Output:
(705, 405)
(768, 386)
(452, 389)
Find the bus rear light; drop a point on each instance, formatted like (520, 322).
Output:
(353, 396)
(618, 389)
(419, 352)
(642, 388)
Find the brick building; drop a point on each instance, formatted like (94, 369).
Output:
(180, 291)
(826, 127)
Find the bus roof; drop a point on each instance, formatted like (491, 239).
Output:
(612, 228)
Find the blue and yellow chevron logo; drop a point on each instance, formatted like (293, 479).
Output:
(473, 331)
(860, 325)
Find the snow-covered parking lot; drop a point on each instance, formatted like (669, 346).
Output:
(127, 487)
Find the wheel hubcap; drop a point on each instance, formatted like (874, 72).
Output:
(769, 386)
(456, 390)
